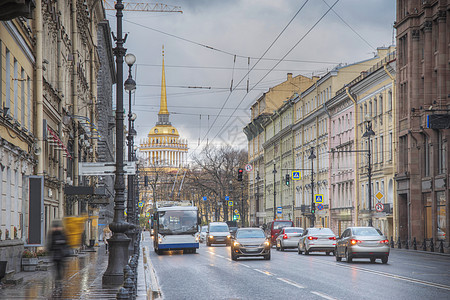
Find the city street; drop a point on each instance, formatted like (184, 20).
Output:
(211, 274)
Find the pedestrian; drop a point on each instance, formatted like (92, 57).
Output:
(58, 248)
(107, 234)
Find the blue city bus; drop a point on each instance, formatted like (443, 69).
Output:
(176, 228)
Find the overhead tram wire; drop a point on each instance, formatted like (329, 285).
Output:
(301, 39)
(242, 79)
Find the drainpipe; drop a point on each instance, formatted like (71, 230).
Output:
(39, 88)
(59, 86)
(395, 223)
(356, 156)
(329, 164)
(75, 98)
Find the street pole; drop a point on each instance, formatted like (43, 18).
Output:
(313, 216)
(130, 85)
(274, 193)
(369, 132)
(242, 204)
(257, 197)
(118, 243)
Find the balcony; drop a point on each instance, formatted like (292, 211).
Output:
(10, 9)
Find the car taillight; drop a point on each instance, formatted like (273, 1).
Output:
(285, 236)
(332, 238)
(312, 238)
(354, 242)
(384, 242)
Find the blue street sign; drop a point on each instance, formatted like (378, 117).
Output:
(319, 198)
(227, 198)
(204, 198)
(279, 209)
(296, 175)
(230, 203)
(320, 207)
(140, 204)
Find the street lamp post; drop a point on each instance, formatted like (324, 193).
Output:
(313, 216)
(118, 243)
(274, 193)
(257, 197)
(242, 204)
(369, 132)
(130, 86)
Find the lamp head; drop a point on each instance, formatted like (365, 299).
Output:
(368, 118)
(130, 84)
(133, 117)
(130, 59)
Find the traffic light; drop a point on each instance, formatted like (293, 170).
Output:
(234, 217)
(288, 178)
(313, 208)
(240, 172)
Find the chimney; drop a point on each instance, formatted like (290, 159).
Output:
(289, 76)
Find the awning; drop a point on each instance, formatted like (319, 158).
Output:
(53, 139)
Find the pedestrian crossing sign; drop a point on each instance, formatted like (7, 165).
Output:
(296, 175)
(230, 203)
(319, 198)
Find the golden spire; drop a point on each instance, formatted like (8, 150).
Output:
(163, 107)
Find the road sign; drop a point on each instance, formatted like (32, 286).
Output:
(105, 168)
(320, 207)
(319, 198)
(279, 209)
(379, 195)
(147, 214)
(248, 167)
(230, 203)
(236, 211)
(296, 175)
(238, 217)
(141, 204)
(227, 198)
(379, 207)
(204, 198)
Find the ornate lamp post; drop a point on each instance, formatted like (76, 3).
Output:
(313, 206)
(130, 86)
(369, 132)
(118, 253)
(274, 192)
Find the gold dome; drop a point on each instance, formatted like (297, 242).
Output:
(163, 130)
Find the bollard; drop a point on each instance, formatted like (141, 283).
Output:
(431, 245)
(424, 245)
(415, 244)
(407, 244)
(392, 242)
(122, 294)
(441, 246)
(399, 243)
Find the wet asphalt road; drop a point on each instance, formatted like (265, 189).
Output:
(211, 274)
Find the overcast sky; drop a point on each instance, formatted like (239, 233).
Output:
(198, 78)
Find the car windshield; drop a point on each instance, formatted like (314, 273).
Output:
(279, 225)
(218, 228)
(242, 234)
(204, 228)
(320, 231)
(177, 222)
(293, 230)
(369, 231)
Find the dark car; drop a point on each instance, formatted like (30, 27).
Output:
(250, 242)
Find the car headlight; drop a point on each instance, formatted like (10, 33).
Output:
(228, 236)
(267, 244)
(211, 236)
(236, 244)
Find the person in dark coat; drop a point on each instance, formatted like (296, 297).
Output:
(58, 248)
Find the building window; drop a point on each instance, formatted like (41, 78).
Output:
(442, 143)
(390, 146)
(16, 89)
(22, 96)
(381, 149)
(441, 216)
(426, 158)
(8, 79)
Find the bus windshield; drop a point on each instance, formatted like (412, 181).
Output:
(177, 222)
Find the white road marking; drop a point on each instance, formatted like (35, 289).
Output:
(228, 259)
(247, 266)
(211, 252)
(219, 256)
(291, 283)
(323, 295)
(263, 272)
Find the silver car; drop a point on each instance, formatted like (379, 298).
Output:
(203, 231)
(317, 240)
(288, 238)
(250, 242)
(362, 242)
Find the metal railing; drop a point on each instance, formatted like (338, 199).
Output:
(431, 245)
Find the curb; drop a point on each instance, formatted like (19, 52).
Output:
(421, 252)
(151, 282)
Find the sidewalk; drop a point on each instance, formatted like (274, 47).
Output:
(83, 280)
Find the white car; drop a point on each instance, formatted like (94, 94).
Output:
(317, 239)
(288, 238)
(203, 231)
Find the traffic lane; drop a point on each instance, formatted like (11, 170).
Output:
(323, 274)
(210, 275)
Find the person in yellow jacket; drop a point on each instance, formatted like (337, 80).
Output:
(107, 234)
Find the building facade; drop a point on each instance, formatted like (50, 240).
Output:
(423, 89)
